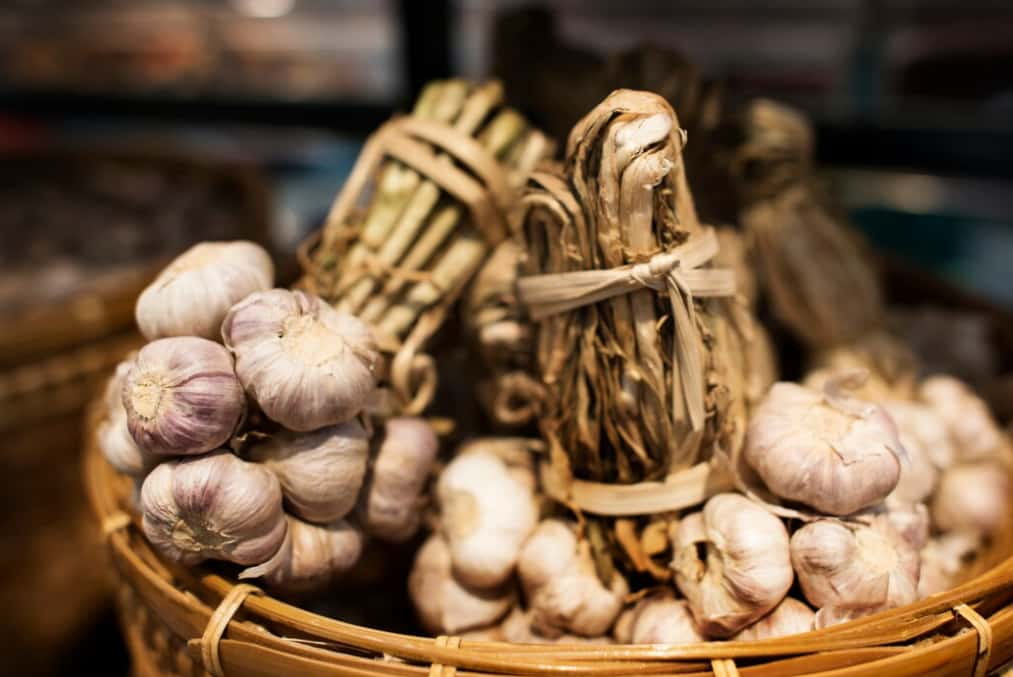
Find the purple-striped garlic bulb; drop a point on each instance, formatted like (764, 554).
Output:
(393, 498)
(827, 450)
(191, 296)
(215, 506)
(321, 471)
(731, 562)
(305, 364)
(444, 604)
(311, 556)
(113, 436)
(562, 588)
(182, 397)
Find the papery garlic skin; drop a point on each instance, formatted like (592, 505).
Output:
(971, 497)
(194, 292)
(852, 570)
(976, 434)
(746, 570)
(942, 560)
(561, 586)
(321, 471)
(182, 397)
(443, 603)
(517, 628)
(790, 617)
(311, 556)
(114, 437)
(911, 522)
(919, 426)
(392, 503)
(215, 506)
(658, 619)
(306, 364)
(918, 475)
(486, 514)
(809, 447)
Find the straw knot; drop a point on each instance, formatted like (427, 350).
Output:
(652, 273)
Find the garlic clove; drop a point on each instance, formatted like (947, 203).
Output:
(731, 562)
(306, 364)
(563, 591)
(790, 617)
(182, 397)
(392, 499)
(321, 471)
(971, 497)
(942, 560)
(214, 506)
(486, 514)
(658, 619)
(311, 556)
(443, 603)
(113, 435)
(831, 452)
(191, 296)
(850, 570)
(976, 434)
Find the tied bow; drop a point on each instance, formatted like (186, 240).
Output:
(676, 271)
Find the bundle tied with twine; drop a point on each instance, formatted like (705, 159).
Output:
(640, 335)
(429, 198)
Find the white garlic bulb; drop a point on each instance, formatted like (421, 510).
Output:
(943, 558)
(971, 497)
(191, 296)
(976, 434)
(918, 474)
(182, 397)
(320, 471)
(921, 429)
(516, 629)
(306, 364)
(855, 569)
(311, 556)
(486, 514)
(215, 506)
(790, 617)
(731, 562)
(828, 451)
(113, 436)
(657, 619)
(911, 522)
(443, 603)
(392, 500)
(561, 586)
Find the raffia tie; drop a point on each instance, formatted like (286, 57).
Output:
(677, 271)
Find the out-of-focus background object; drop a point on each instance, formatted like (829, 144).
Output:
(130, 128)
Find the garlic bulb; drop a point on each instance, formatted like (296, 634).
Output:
(826, 450)
(392, 504)
(927, 443)
(790, 617)
(113, 435)
(942, 560)
(443, 603)
(182, 397)
(215, 506)
(975, 432)
(321, 471)
(911, 522)
(306, 364)
(971, 497)
(311, 556)
(191, 296)
(658, 619)
(563, 591)
(485, 515)
(853, 570)
(516, 628)
(731, 562)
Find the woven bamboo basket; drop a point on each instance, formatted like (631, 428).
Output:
(193, 621)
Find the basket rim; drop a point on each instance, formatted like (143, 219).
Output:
(176, 594)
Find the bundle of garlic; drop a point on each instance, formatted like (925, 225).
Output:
(445, 179)
(229, 436)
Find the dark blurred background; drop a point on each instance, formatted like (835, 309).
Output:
(129, 130)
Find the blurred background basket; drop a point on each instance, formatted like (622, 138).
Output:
(60, 341)
(180, 621)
